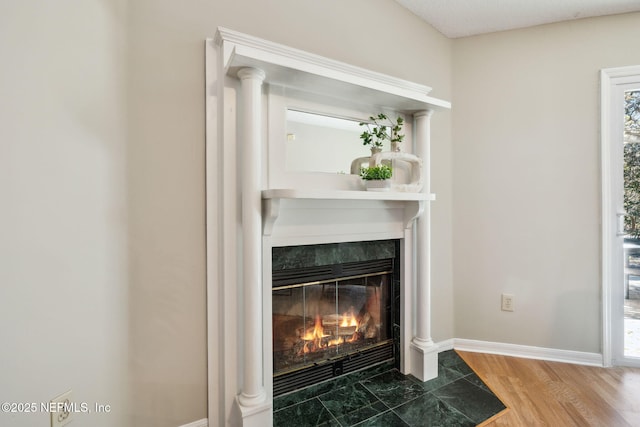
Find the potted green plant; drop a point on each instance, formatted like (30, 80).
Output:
(378, 132)
(377, 178)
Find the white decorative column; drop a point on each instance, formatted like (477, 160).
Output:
(252, 400)
(424, 353)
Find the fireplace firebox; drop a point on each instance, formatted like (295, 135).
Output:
(330, 320)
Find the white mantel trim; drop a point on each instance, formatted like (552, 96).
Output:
(413, 207)
(236, 44)
(279, 61)
(292, 193)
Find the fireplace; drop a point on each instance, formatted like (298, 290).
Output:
(330, 319)
(257, 211)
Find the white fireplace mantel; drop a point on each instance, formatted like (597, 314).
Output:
(248, 215)
(413, 202)
(290, 193)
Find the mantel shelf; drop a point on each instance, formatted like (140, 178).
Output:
(292, 193)
(271, 206)
(295, 69)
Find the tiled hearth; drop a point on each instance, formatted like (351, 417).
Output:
(382, 396)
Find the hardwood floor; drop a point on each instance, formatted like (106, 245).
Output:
(540, 393)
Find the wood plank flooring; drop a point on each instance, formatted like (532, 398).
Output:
(540, 393)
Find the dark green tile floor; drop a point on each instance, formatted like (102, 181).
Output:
(382, 396)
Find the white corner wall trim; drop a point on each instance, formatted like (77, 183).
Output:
(200, 423)
(529, 352)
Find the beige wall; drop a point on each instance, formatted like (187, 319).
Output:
(64, 279)
(526, 180)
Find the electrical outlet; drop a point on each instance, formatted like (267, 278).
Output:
(61, 409)
(507, 302)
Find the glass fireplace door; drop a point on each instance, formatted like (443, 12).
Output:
(322, 321)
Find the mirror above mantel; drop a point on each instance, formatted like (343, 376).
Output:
(322, 143)
(314, 141)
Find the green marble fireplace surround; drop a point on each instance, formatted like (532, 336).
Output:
(336, 255)
(333, 253)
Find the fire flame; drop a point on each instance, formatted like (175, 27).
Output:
(336, 341)
(348, 320)
(318, 331)
(314, 337)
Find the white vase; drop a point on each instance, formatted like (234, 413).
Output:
(360, 162)
(377, 184)
(416, 180)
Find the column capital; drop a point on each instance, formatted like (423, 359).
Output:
(251, 73)
(423, 113)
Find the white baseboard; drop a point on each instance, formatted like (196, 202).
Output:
(529, 352)
(445, 345)
(200, 423)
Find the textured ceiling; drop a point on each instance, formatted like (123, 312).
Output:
(460, 18)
